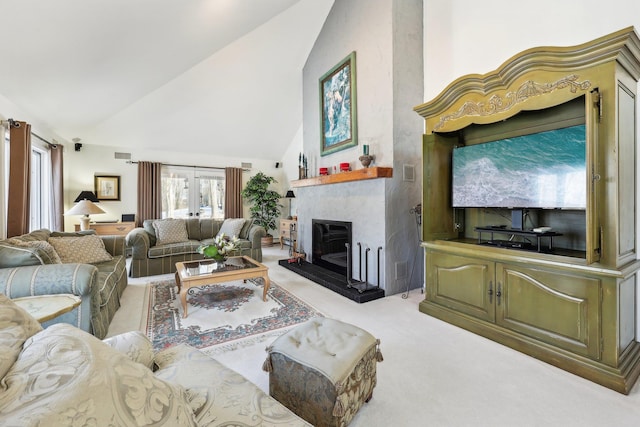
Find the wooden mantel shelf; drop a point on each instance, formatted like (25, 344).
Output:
(356, 175)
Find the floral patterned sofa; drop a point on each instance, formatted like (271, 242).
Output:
(83, 264)
(63, 376)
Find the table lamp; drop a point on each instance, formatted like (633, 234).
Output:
(85, 207)
(87, 195)
(289, 196)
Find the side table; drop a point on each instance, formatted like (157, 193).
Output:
(47, 307)
(288, 231)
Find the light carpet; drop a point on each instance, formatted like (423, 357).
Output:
(222, 317)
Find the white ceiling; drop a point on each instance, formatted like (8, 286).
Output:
(162, 74)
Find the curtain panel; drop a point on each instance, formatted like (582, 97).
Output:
(232, 197)
(149, 191)
(57, 203)
(18, 206)
(4, 174)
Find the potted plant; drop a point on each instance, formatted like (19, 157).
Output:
(265, 209)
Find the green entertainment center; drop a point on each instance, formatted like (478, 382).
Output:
(572, 303)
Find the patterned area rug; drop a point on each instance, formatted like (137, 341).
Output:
(222, 317)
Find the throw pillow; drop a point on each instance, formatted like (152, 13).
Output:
(87, 249)
(65, 376)
(43, 248)
(135, 345)
(170, 231)
(18, 256)
(231, 227)
(16, 325)
(244, 233)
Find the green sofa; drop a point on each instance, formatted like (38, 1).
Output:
(29, 266)
(150, 258)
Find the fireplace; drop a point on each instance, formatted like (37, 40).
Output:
(329, 267)
(329, 241)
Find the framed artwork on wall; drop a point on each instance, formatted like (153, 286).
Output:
(338, 125)
(107, 187)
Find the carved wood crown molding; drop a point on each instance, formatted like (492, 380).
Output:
(498, 104)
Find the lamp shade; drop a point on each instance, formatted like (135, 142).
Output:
(84, 207)
(86, 195)
(290, 195)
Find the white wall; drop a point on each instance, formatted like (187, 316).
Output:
(80, 168)
(471, 37)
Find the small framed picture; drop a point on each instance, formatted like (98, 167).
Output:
(107, 187)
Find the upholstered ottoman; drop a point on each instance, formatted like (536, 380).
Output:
(323, 370)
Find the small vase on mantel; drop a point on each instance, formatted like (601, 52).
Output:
(366, 160)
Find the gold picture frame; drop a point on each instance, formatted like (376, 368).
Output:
(107, 187)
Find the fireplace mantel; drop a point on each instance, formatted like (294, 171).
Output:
(355, 175)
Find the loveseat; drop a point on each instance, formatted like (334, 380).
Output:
(84, 264)
(62, 376)
(160, 243)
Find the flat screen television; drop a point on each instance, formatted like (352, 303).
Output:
(540, 170)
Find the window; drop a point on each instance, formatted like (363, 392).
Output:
(189, 192)
(40, 188)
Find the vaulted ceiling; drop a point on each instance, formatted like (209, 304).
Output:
(162, 74)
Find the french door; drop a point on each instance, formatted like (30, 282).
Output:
(192, 192)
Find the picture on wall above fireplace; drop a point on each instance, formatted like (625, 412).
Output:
(338, 107)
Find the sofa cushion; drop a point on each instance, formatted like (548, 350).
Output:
(231, 227)
(65, 376)
(42, 234)
(193, 228)
(16, 325)
(135, 345)
(244, 233)
(12, 255)
(170, 230)
(148, 227)
(209, 228)
(43, 247)
(188, 247)
(87, 249)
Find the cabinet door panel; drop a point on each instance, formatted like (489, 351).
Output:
(563, 310)
(461, 283)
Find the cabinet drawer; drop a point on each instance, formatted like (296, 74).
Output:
(109, 229)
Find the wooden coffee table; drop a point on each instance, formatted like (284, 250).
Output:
(199, 273)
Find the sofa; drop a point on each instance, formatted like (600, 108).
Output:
(63, 376)
(84, 264)
(160, 243)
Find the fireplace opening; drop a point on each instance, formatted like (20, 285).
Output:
(328, 244)
(329, 260)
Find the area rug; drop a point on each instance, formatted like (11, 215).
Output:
(222, 317)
